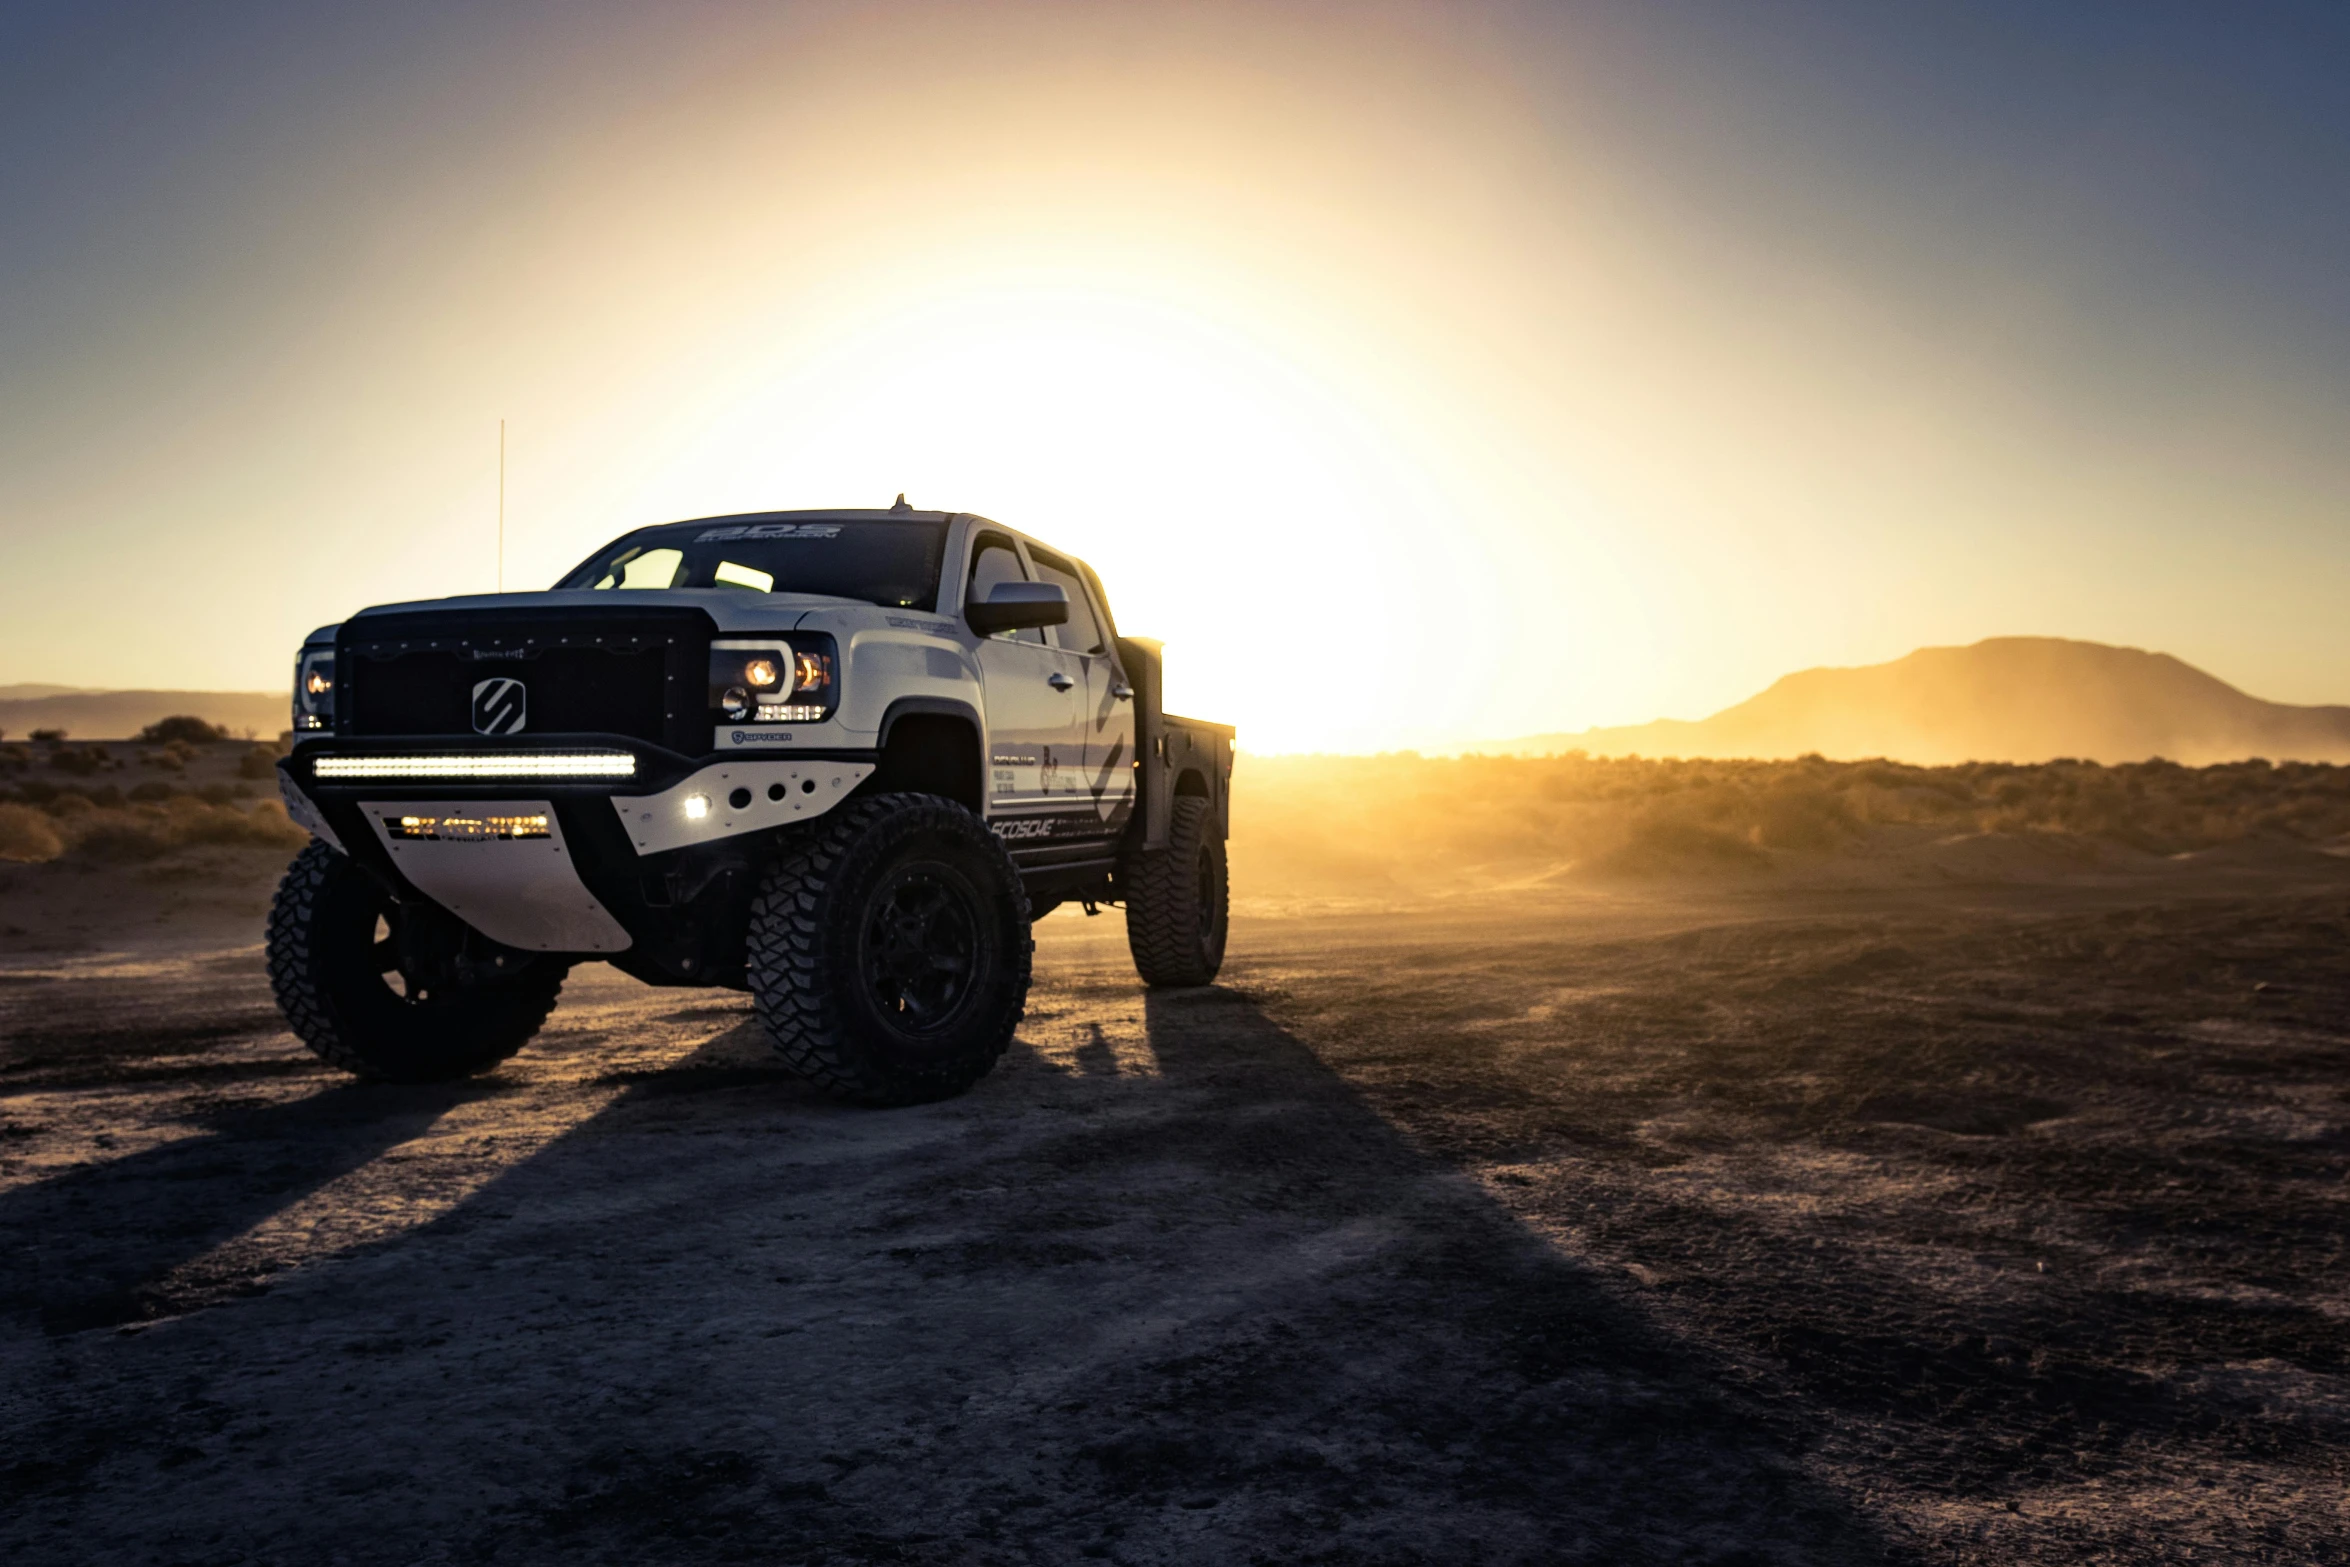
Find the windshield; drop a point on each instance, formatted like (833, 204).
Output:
(878, 561)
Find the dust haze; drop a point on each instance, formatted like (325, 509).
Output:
(2013, 699)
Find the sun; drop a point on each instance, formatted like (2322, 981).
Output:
(1245, 497)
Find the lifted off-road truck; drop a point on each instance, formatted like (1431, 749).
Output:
(838, 759)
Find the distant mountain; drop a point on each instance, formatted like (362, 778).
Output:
(2010, 699)
(118, 715)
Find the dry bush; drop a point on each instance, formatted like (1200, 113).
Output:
(27, 835)
(111, 828)
(148, 832)
(183, 729)
(1407, 817)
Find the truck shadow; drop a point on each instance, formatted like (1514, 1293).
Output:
(95, 1247)
(1221, 1313)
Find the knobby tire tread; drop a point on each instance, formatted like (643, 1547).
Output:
(295, 977)
(790, 968)
(1162, 928)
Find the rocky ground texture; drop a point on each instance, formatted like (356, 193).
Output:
(1925, 1225)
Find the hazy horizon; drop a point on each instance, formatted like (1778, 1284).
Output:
(2020, 700)
(1622, 360)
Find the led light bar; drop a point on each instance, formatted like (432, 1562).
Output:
(466, 829)
(789, 713)
(590, 764)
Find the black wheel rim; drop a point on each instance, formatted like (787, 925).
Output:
(921, 956)
(385, 962)
(386, 957)
(391, 960)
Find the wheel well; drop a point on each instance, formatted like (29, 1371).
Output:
(930, 753)
(1192, 781)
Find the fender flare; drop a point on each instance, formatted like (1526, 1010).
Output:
(934, 707)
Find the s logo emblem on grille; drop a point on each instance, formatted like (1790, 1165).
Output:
(499, 706)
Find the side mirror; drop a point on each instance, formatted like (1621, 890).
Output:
(1015, 606)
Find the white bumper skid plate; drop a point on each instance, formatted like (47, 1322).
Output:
(500, 866)
(736, 797)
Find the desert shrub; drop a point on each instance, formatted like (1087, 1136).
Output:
(183, 729)
(147, 831)
(47, 736)
(1322, 819)
(201, 822)
(119, 837)
(27, 836)
(151, 791)
(81, 761)
(1796, 818)
(258, 762)
(1671, 844)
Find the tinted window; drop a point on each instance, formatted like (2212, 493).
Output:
(992, 562)
(1082, 634)
(875, 562)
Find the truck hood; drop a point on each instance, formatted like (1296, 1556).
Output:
(731, 609)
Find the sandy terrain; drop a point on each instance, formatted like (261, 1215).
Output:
(1972, 1223)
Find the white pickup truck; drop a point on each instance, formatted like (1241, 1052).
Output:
(839, 759)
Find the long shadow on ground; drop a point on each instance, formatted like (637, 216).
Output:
(2031, 1221)
(1214, 1311)
(98, 1247)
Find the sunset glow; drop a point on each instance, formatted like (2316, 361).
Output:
(1309, 330)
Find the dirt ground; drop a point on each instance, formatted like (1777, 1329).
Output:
(1990, 1223)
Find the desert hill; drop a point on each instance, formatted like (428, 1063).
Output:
(2009, 699)
(118, 715)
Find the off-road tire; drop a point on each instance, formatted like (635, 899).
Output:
(881, 886)
(330, 985)
(1178, 901)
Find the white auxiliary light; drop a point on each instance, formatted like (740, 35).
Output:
(697, 806)
(605, 764)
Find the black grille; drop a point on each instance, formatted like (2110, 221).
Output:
(638, 673)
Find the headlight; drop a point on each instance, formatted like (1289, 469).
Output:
(314, 689)
(773, 680)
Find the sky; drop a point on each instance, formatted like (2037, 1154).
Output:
(1419, 373)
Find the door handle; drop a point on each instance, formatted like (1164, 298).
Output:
(1059, 681)
(1121, 690)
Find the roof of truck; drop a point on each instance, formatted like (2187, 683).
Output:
(821, 514)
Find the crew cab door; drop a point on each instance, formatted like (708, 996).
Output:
(1034, 690)
(1107, 722)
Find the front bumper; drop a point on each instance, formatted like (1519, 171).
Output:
(642, 844)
